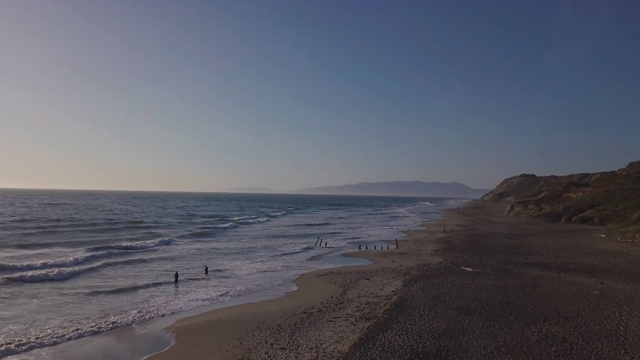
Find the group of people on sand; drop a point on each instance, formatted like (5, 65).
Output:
(176, 276)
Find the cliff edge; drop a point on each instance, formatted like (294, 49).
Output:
(610, 199)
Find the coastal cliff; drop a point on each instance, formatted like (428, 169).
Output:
(610, 199)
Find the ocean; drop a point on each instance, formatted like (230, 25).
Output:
(76, 264)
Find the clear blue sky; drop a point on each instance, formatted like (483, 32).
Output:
(206, 96)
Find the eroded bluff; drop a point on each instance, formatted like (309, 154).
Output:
(610, 199)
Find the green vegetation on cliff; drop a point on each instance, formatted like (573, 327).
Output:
(610, 199)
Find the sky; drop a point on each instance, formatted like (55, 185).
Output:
(213, 95)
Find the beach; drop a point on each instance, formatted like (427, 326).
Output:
(319, 320)
(489, 287)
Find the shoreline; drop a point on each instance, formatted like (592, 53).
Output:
(329, 306)
(494, 287)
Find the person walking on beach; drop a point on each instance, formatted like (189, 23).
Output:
(206, 270)
(175, 277)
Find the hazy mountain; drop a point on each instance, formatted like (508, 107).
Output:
(400, 188)
(250, 190)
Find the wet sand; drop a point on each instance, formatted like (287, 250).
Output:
(494, 287)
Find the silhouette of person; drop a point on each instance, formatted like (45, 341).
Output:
(175, 277)
(206, 270)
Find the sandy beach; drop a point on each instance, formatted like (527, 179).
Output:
(493, 287)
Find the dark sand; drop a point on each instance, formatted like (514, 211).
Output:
(539, 291)
(494, 288)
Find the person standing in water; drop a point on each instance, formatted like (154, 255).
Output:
(175, 277)
(206, 270)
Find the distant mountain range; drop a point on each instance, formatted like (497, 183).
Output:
(392, 188)
(250, 190)
(401, 188)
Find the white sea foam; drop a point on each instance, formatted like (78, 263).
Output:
(47, 275)
(225, 226)
(252, 221)
(141, 245)
(59, 263)
(58, 331)
(277, 214)
(241, 218)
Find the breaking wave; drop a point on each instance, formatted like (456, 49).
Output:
(141, 245)
(225, 226)
(59, 263)
(252, 221)
(277, 214)
(61, 274)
